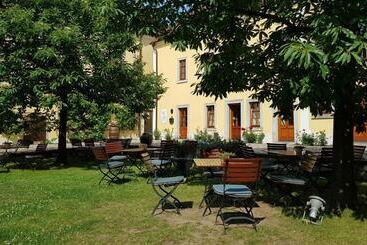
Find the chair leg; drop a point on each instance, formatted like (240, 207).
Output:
(164, 198)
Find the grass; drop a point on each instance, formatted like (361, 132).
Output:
(68, 206)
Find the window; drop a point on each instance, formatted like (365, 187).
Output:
(254, 114)
(210, 116)
(182, 70)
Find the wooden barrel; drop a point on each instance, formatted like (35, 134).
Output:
(113, 131)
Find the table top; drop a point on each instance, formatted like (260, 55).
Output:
(139, 150)
(208, 162)
(285, 153)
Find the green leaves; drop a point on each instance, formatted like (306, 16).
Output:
(304, 54)
(70, 53)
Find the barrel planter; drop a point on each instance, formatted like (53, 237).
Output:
(113, 131)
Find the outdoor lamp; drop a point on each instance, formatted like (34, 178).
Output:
(314, 210)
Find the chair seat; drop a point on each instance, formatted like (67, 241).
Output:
(157, 162)
(213, 174)
(169, 180)
(291, 180)
(115, 164)
(233, 190)
(118, 158)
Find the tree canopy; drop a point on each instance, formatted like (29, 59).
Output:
(294, 53)
(67, 58)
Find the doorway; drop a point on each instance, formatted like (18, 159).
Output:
(235, 121)
(183, 123)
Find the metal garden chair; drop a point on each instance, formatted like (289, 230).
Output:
(358, 152)
(210, 176)
(266, 166)
(239, 173)
(300, 180)
(114, 150)
(165, 156)
(111, 170)
(163, 187)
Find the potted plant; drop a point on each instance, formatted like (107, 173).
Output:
(146, 138)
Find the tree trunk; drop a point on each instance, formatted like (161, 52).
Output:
(62, 152)
(343, 189)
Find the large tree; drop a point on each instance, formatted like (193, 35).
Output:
(294, 53)
(59, 55)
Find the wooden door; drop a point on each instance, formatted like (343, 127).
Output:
(183, 123)
(360, 136)
(285, 129)
(235, 121)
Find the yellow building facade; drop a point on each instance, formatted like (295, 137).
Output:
(184, 113)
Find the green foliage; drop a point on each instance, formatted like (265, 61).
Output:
(318, 138)
(250, 136)
(146, 138)
(69, 56)
(168, 134)
(203, 136)
(157, 134)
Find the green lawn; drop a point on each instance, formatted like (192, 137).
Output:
(68, 206)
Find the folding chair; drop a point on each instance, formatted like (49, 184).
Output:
(237, 173)
(358, 152)
(276, 146)
(114, 150)
(76, 143)
(210, 176)
(267, 165)
(111, 170)
(166, 155)
(298, 180)
(163, 187)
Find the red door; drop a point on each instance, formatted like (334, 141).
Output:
(285, 129)
(360, 136)
(183, 123)
(235, 121)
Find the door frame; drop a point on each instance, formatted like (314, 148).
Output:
(242, 112)
(177, 120)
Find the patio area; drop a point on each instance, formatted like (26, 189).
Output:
(68, 205)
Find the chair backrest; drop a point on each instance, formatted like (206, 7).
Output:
(145, 157)
(89, 142)
(114, 148)
(113, 140)
(358, 152)
(168, 150)
(100, 154)
(41, 147)
(247, 152)
(76, 142)
(214, 153)
(190, 148)
(309, 161)
(277, 146)
(241, 170)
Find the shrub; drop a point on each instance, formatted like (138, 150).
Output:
(318, 138)
(260, 138)
(250, 136)
(146, 138)
(321, 138)
(157, 134)
(168, 134)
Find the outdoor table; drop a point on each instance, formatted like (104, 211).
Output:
(208, 162)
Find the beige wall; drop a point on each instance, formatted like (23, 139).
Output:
(180, 95)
